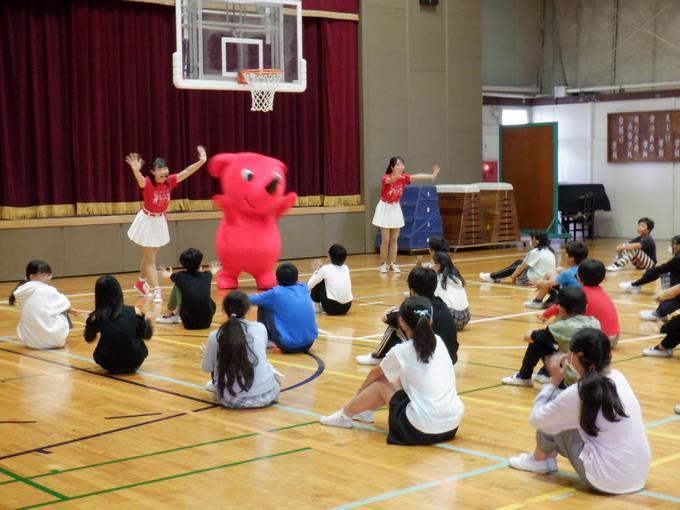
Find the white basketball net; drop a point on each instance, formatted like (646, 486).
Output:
(263, 84)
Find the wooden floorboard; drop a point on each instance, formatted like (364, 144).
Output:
(74, 436)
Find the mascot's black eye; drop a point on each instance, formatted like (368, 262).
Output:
(247, 175)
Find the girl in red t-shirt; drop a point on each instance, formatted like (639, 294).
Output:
(150, 227)
(388, 215)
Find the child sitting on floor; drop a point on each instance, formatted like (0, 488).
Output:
(671, 328)
(537, 263)
(640, 250)
(451, 289)
(670, 276)
(551, 283)
(591, 273)
(122, 329)
(190, 296)
(236, 354)
(571, 302)
(44, 321)
(330, 285)
(287, 312)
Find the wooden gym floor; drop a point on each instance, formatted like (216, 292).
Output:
(75, 437)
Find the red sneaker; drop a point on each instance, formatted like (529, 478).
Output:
(142, 288)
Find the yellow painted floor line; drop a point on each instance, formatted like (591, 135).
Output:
(663, 434)
(538, 499)
(665, 460)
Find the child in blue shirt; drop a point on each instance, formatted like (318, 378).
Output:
(577, 251)
(287, 312)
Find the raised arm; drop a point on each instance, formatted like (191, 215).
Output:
(202, 157)
(426, 177)
(136, 162)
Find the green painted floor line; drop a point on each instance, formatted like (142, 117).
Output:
(506, 369)
(640, 356)
(42, 488)
(288, 427)
(480, 389)
(165, 478)
(151, 454)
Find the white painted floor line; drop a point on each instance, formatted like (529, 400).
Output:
(371, 303)
(487, 319)
(639, 338)
(493, 347)
(395, 293)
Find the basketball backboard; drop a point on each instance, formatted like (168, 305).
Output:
(218, 38)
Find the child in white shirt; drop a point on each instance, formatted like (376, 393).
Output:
(330, 285)
(44, 322)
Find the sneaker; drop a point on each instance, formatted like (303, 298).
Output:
(613, 267)
(526, 462)
(337, 419)
(395, 268)
(629, 287)
(367, 359)
(168, 319)
(677, 408)
(515, 380)
(383, 268)
(486, 277)
(538, 305)
(541, 378)
(210, 386)
(364, 416)
(143, 288)
(655, 352)
(646, 315)
(157, 296)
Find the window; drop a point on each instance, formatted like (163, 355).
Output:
(514, 116)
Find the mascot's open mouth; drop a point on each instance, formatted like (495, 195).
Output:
(245, 197)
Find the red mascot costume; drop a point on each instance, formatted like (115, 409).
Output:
(253, 199)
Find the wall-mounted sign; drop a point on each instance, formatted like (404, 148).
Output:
(643, 137)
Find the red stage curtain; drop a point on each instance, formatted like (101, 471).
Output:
(100, 86)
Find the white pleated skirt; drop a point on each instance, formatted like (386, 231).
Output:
(149, 231)
(388, 215)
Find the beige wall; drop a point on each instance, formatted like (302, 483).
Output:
(421, 90)
(99, 249)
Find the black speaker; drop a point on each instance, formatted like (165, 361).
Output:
(429, 2)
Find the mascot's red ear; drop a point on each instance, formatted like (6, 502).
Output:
(219, 162)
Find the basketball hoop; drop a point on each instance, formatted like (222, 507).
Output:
(263, 84)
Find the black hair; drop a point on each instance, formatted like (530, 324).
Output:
(393, 161)
(542, 240)
(422, 281)
(33, 267)
(578, 250)
(191, 259)
(647, 221)
(235, 359)
(572, 299)
(108, 304)
(338, 254)
(597, 391)
(675, 240)
(286, 274)
(416, 311)
(447, 269)
(591, 272)
(159, 163)
(438, 243)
